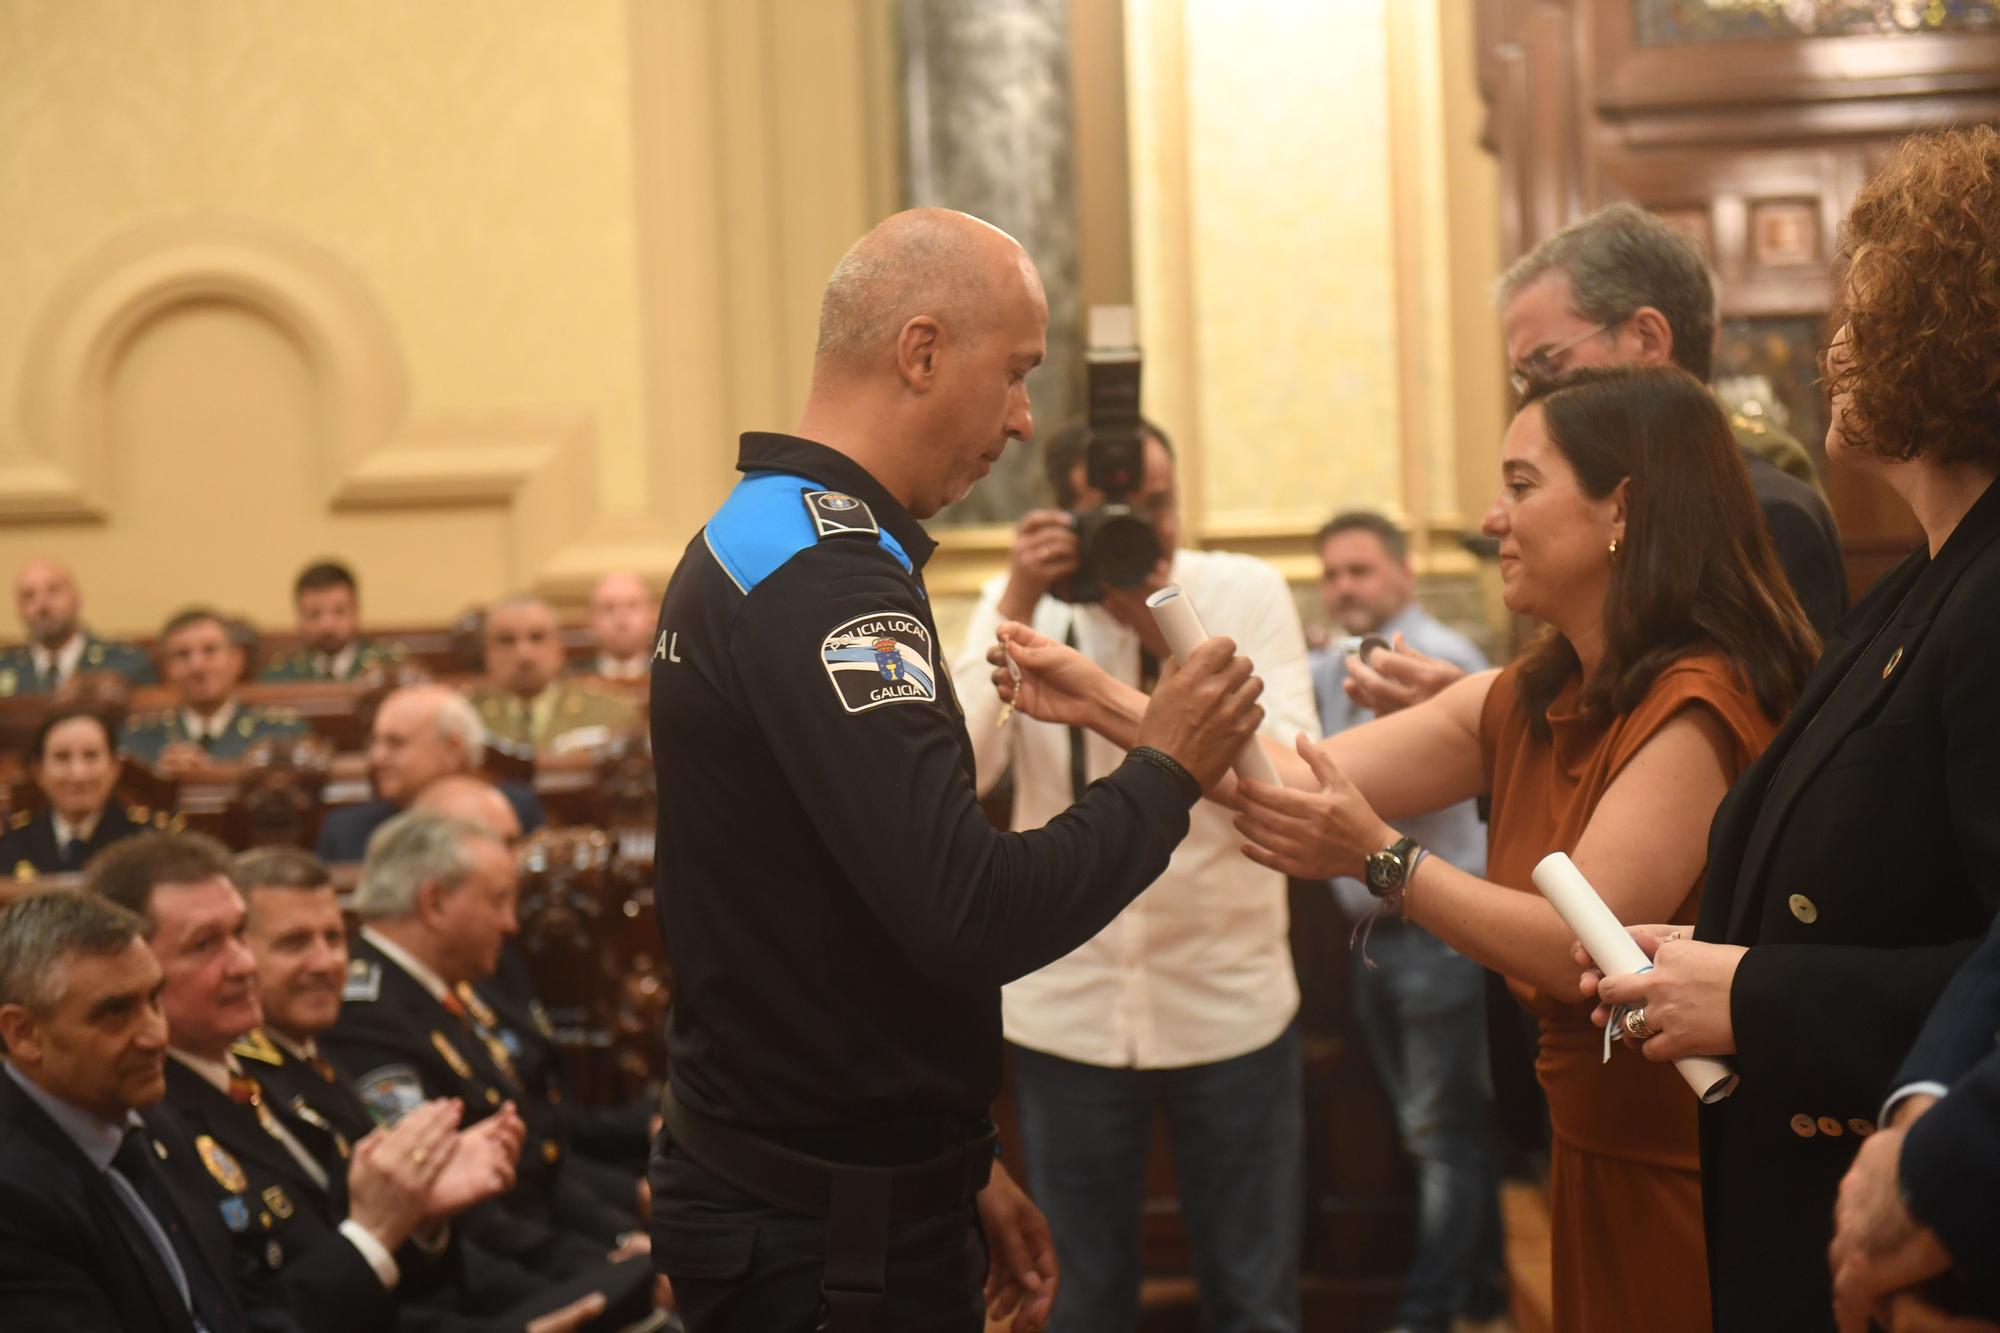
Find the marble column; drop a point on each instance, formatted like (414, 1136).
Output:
(987, 131)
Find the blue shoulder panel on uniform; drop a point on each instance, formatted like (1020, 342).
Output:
(763, 524)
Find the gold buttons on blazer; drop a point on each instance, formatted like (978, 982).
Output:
(1804, 1126)
(1862, 1128)
(1803, 908)
(1830, 1127)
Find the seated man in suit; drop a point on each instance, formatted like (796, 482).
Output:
(335, 1227)
(59, 647)
(421, 734)
(525, 702)
(330, 646)
(618, 1137)
(294, 930)
(436, 900)
(102, 1225)
(72, 760)
(1918, 1200)
(204, 664)
(624, 614)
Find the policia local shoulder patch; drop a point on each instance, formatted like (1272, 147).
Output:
(883, 657)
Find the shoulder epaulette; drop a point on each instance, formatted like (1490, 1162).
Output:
(364, 981)
(20, 819)
(256, 1045)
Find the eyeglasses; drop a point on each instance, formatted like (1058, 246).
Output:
(1540, 364)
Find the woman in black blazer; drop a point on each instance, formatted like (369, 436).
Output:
(1856, 864)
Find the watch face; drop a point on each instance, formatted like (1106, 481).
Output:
(1384, 870)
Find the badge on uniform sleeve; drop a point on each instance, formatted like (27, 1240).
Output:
(880, 658)
(236, 1213)
(364, 981)
(392, 1092)
(275, 1200)
(228, 1172)
(836, 515)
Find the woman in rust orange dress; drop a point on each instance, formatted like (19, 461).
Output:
(1671, 644)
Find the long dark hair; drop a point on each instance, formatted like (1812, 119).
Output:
(1695, 571)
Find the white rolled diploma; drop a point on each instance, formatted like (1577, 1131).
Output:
(1616, 953)
(1175, 615)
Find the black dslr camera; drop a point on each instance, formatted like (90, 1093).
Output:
(1117, 545)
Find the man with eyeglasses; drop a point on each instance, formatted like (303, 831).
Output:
(1622, 288)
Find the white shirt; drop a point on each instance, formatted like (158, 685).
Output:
(336, 666)
(634, 667)
(214, 725)
(65, 830)
(1199, 967)
(67, 660)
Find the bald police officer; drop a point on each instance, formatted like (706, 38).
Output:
(839, 915)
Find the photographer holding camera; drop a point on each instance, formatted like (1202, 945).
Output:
(1186, 1000)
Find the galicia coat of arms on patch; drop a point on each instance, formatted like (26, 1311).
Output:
(883, 657)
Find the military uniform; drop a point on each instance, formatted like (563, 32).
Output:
(497, 1285)
(563, 709)
(1759, 435)
(19, 676)
(147, 735)
(283, 1223)
(304, 664)
(28, 848)
(400, 1046)
(839, 914)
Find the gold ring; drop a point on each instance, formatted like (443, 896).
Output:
(418, 1156)
(1636, 1026)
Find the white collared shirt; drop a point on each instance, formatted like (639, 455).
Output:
(214, 725)
(1198, 968)
(402, 958)
(337, 666)
(66, 661)
(65, 830)
(634, 667)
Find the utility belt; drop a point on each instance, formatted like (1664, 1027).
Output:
(859, 1203)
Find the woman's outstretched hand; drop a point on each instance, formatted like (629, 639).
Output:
(1310, 834)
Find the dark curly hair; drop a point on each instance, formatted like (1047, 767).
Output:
(1696, 571)
(1920, 299)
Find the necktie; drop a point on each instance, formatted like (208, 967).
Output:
(72, 854)
(146, 1193)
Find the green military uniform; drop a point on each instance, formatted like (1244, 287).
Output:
(19, 676)
(147, 735)
(304, 664)
(1763, 437)
(563, 708)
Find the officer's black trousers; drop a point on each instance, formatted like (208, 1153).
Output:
(739, 1265)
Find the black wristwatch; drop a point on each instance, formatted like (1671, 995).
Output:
(1389, 869)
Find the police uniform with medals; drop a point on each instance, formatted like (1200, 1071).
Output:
(19, 674)
(839, 914)
(400, 1046)
(147, 735)
(29, 847)
(307, 665)
(284, 1223)
(504, 1004)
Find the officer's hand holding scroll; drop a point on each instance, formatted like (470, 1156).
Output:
(1201, 715)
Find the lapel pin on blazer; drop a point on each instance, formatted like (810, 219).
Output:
(1895, 658)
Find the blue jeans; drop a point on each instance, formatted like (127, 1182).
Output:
(1238, 1134)
(1422, 1009)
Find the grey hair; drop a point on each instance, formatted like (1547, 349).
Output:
(41, 930)
(1619, 259)
(457, 720)
(408, 852)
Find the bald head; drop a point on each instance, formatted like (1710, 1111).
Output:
(622, 612)
(472, 801)
(422, 733)
(46, 596)
(925, 262)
